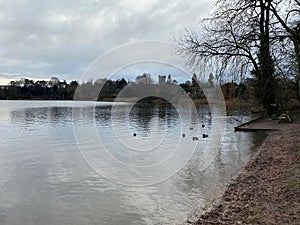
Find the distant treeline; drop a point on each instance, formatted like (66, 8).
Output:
(26, 89)
(108, 90)
(102, 89)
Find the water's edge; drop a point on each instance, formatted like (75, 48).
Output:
(216, 202)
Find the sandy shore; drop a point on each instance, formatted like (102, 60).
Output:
(267, 191)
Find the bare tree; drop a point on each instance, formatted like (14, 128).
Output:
(240, 34)
(289, 19)
(145, 78)
(224, 38)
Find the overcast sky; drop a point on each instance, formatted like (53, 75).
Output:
(40, 39)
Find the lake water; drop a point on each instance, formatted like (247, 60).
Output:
(99, 163)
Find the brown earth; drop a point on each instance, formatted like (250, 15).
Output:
(267, 191)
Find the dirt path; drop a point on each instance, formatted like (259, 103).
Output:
(267, 191)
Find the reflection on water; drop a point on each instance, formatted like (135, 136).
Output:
(142, 115)
(44, 179)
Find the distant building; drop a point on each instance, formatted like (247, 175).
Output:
(229, 90)
(23, 82)
(52, 82)
(161, 80)
(169, 80)
(100, 81)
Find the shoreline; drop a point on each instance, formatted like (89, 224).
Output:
(267, 189)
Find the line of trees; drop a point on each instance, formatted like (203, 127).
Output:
(26, 89)
(108, 90)
(102, 89)
(258, 37)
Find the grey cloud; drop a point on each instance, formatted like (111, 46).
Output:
(52, 37)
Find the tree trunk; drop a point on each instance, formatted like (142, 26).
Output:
(266, 81)
(297, 53)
